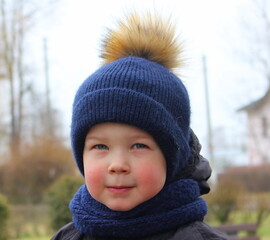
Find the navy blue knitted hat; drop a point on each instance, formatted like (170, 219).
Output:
(136, 86)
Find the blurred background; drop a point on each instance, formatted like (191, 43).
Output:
(47, 48)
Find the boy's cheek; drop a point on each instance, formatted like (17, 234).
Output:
(150, 176)
(94, 182)
(93, 175)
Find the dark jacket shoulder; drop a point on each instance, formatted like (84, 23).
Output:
(198, 231)
(68, 232)
(193, 231)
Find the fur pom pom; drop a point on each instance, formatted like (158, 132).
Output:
(143, 36)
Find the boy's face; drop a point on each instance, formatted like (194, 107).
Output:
(123, 165)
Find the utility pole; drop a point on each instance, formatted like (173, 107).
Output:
(208, 115)
(47, 87)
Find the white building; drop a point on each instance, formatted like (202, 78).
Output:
(258, 114)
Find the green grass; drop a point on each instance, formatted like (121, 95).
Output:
(239, 217)
(264, 230)
(34, 238)
(29, 223)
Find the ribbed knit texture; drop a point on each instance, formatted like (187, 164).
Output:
(177, 204)
(141, 93)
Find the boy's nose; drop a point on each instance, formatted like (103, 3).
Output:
(119, 166)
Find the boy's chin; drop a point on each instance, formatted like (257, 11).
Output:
(120, 207)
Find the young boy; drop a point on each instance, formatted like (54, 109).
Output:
(132, 142)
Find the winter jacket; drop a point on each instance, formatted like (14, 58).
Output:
(194, 231)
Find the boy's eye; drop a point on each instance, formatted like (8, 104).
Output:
(139, 146)
(100, 147)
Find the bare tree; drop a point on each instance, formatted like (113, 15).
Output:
(16, 21)
(256, 29)
(13, 29)
(263, 48)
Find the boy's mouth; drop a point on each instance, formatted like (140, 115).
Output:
(119, 189)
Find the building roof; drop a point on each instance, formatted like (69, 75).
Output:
(256, 104)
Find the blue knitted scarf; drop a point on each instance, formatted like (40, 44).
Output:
(177, 204)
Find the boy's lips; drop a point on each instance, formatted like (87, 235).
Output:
(119, 189)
